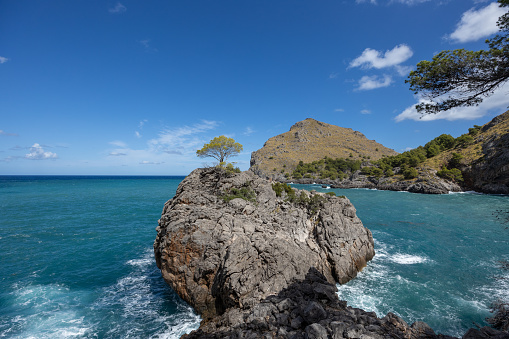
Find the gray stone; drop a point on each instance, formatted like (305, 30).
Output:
(217, 255)
(316, 331)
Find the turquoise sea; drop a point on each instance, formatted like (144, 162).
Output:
(76, 258)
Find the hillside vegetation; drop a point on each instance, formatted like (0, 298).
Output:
(311, 140)
(478, 160)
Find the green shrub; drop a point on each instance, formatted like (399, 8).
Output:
(455, 161)
(465, 140)
(410, 173)
(452, 174)
(245, 193)
(229, 168)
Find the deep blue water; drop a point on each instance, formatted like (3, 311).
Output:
(77, 260)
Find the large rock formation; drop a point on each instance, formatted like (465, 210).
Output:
(219, 253)
(311, 140)
(261, 260)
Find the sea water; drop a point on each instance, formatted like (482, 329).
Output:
(76, 258)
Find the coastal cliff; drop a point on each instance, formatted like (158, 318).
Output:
(228, 240)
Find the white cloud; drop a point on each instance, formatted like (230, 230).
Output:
(248, 131)
(372, 82)
(8, 134)
(365, 111)
(371, 58)
(146, 162)
(339, 110)
(406, 2)
(116, 154)
(142, 122)
(333, 75)
(3, 59)
(137, 134)
(409, 2)
(118, 143)
(183, 139)
(38, 153)
(477, 24)
(497, 102)
(119, 8)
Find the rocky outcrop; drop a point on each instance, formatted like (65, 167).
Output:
(219, 252)
(490, 172)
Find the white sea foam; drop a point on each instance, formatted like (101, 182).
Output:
(140, 262)
(47, 311)
(140, 300)
(407, 259)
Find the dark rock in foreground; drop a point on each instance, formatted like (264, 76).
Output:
(309, 309)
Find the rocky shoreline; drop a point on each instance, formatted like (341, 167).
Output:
(426, 184)
(259, 259)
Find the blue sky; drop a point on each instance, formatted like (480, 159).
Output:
(136, 87)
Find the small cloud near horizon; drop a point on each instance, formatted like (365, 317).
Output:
(116, 154)
(173, 152)
(3, 60)
(496, 102)
(145, 162)
(38, 153)
(4, 133)
(118, 143)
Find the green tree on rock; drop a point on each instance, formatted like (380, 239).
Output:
(461, 77)
(220, 148)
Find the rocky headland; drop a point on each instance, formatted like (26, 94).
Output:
(258, 259)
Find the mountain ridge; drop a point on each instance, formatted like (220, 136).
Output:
(309, 140)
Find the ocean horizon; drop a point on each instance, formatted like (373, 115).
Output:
(77, 258)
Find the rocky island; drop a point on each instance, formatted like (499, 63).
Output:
(259, 259)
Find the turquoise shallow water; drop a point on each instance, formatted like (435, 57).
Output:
(77, 261)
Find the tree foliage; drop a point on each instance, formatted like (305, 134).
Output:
(461, 77)
(220, 148)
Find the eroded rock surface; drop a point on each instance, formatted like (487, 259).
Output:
(219, 254)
